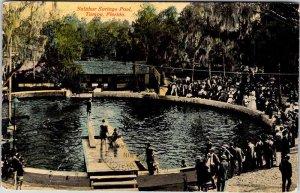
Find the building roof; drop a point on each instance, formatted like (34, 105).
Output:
(112, 67)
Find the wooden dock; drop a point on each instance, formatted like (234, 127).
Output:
(112, 167)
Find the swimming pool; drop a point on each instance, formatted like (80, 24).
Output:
(51, 138)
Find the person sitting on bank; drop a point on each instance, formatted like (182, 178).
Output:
(183, 164)
(155, 165)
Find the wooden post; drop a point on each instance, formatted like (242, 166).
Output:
(193, 72)
(209, 70)
(224, 65)
(279, 82)
(10, 79)
(91, 132)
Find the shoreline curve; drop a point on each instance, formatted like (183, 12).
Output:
(76, 179)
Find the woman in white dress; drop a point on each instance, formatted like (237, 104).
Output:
(252, 101)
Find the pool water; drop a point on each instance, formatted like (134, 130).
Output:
(51, 138)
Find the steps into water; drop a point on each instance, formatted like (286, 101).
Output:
(117, 184)
(116, 181)
(112, 177)
(114, 184)
(119, 190)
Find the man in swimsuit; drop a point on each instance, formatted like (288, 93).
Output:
(103, 137)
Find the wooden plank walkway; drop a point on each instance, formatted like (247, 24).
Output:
(115, 159)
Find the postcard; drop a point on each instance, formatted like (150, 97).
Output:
(150, 96)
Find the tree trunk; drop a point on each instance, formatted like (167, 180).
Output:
(279, 82)
(10, 77)
(193, 71)
(33, 67)
(224, 65)
(209, 70)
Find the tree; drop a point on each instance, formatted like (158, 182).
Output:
(193, 35)
(63, 48)
(90, 45)
(107, 40)
(233, 22)
(168, 39)
(124, 41)
(18, 46)
(146, 31)
(22, 38)
(224, 27)
(276, 38)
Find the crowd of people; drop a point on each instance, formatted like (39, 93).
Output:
(12, 166)
(253, 91)
(233, 160)
(218, 165)
(257, 93)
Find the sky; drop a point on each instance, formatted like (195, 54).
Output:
(105, 10)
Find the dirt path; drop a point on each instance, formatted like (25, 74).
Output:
(28, 186)
(267, 180)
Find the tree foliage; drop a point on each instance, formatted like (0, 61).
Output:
(22, 38)
(275, 41)
(107, 39)
(202, 35)
(64, 46)
(146, 32)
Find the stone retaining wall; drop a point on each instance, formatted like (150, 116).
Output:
(222, 105)
(211, 103)
(42, 93)
(57, 178)
(122, 94)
